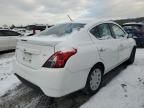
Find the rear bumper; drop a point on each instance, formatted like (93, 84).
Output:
(53, 82)
(27, 83)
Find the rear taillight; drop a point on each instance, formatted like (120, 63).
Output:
(59, 59)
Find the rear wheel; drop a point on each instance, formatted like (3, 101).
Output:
(94, 80)
(132, 56)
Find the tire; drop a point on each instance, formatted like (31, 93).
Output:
(132, 57)
(94, 80)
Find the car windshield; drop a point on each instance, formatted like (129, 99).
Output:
(61, 29)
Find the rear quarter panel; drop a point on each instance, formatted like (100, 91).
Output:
(80, 64)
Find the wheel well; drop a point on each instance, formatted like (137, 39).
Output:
(134, 48)
(101, 65)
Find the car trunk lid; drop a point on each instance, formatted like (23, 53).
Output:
(34, 51)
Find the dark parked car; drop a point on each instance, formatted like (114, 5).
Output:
(136, 31)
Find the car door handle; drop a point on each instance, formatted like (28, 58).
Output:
(102, 49)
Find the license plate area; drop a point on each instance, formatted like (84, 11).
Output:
(27, 57)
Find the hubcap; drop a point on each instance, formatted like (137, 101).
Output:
(95, 79)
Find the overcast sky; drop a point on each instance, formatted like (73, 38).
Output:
(55, 11)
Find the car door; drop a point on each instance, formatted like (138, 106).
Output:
(3, 41)
(106, 45)
(121, 38)
(12, 35)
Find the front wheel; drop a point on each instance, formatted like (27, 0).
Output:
(132, 56)
(94, 80)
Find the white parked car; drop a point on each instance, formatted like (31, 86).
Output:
(72, 56)
(8, 39)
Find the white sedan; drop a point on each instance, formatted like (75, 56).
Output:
(8, 39)
(72, 56)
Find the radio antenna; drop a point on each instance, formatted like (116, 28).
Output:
(69, 18)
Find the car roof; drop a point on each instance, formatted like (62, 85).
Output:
(89, 23)
(95, 23)
(92, 23)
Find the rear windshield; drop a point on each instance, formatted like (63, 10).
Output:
(61, 29)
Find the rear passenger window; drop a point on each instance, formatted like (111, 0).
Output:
(101, 32)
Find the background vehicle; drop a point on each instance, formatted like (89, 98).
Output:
(72, 56)
(8, 39)
(136, 31)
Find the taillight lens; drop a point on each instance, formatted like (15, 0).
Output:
(59, 59)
